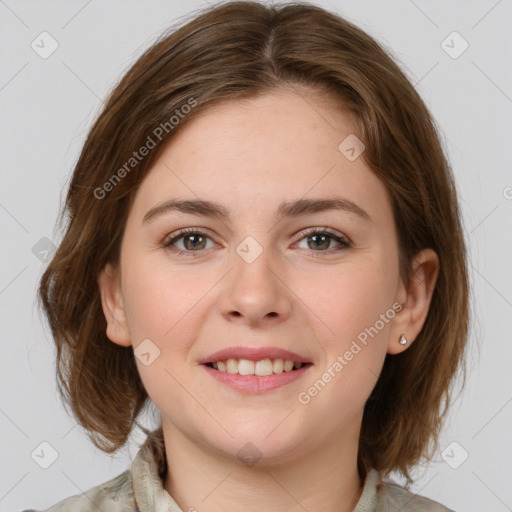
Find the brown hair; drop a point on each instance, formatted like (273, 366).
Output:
(239, 50)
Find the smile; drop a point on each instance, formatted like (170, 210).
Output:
(259, 378)
(261, 368)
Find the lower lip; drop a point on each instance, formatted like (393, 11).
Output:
(255, 383)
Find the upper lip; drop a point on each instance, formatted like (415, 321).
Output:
(253, 354)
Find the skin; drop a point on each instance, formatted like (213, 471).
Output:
(313, 301)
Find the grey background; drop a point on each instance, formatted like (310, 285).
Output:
(47, 106)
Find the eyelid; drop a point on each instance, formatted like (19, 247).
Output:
(343, 241)
(176, 235)
(322, 229)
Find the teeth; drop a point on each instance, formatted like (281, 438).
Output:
(261, 368)
(245, 367)
(288, 365)
(277, 366)
(232, 366)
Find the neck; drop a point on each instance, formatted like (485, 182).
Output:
(323, 479)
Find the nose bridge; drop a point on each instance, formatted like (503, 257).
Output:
(255, 290)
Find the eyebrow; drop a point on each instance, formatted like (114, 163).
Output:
(285, 209)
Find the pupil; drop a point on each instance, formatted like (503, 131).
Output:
(195, 244)
(323, 239)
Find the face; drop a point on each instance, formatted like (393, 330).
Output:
(320, 281)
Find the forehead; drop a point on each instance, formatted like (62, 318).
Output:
(257, 152)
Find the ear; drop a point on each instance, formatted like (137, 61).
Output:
(415, 300)
(113, 308)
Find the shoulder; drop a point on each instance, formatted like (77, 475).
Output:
(392, 497)
(116, 495)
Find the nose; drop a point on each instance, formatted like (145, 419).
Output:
(255, 293)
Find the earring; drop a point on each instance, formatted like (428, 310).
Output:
(403, 340)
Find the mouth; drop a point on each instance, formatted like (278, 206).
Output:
(252, 377)
(260, 368)
(254, 370)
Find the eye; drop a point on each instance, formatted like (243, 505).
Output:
(192, 240)
(321, 239)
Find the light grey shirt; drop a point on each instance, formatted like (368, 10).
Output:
(140, 489)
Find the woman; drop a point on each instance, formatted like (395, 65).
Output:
(264, 240)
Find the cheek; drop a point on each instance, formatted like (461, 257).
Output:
(158, 296)
(350, 299)
(161, 303)
(359, 311)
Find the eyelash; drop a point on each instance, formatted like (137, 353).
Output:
(342, 241)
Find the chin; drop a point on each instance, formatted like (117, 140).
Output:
(261, 445)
